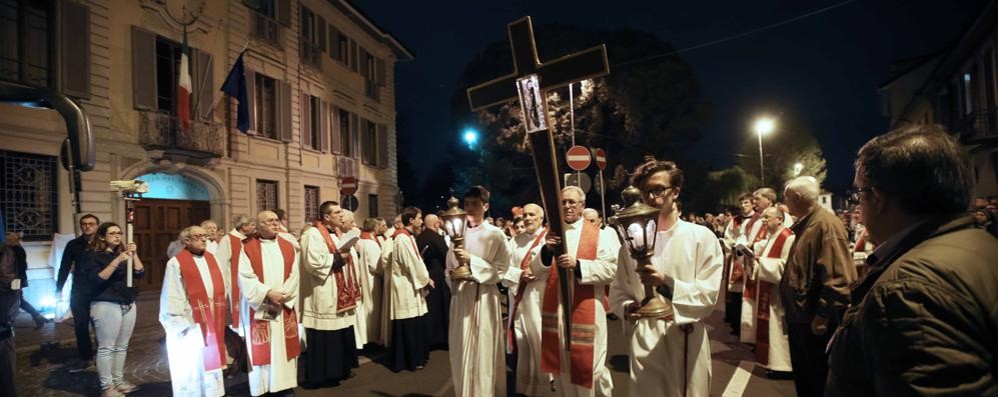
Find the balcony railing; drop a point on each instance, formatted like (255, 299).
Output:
(978, 124)
(266, 28)
(163, 132)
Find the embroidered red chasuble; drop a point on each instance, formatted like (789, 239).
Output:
(347, 289)
(260, 329)
(583, 318)
(765, 295)
(209, 312)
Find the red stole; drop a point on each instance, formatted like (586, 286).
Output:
(235, 248)
(751, 286)
(260, 329)
(518, 296)
(411, 240)
(765, 292)
(209, 312)
(583, 318)
(347, 291)
(368, 236)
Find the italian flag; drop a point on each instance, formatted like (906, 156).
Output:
(184, 89)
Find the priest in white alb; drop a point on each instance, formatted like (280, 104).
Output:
(268, 282)
(772, 346)
(192, 310)
(669, 357)
(408, 345)
(525, 297)
(368, 256)
(329, 299)
(347, 230)
(476, 340)
(590, 259)
(227, 255)
(755, 233)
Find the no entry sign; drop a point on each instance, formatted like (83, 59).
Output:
(578, 158)
(348, 185)
(601, 159)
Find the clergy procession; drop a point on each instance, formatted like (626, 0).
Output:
(283, 235)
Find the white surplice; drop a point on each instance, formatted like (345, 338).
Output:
(223, 255)
(408, 276)
(368, 255)
(749, 305)
(526, 324)
(771, 270)
(318, 285)
(184, 340)
(599, 273)
(476, 339)
(691, 254)
(281, 374)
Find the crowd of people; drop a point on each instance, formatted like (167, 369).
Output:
(892, 296)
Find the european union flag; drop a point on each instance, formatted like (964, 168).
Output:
(235, 86)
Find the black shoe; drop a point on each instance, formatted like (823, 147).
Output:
(79, 366)
(779, 375)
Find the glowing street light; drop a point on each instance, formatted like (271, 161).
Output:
(763, 126)
(470, 137)
(798, 167)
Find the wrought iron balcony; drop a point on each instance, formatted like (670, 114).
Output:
(162, 131)
(980, 124)
(266, 28)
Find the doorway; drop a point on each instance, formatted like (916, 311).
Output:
(157, 224)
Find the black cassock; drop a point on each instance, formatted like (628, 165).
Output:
(433, 248)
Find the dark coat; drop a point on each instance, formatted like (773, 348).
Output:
(433, 248)
(819, 270)
(925, 319)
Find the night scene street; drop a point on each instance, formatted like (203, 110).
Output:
(213, 198)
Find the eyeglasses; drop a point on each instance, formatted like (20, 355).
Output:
(853, 195)
(657, 192)
(198, 237)
(113, 233)
(570, 202)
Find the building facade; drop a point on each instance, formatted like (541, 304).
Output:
(320, 88)
(956, 88)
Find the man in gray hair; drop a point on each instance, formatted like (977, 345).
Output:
(227, 256)
(815, 286)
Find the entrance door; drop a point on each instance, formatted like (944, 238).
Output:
(157, 224)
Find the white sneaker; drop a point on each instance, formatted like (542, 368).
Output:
(126, 388)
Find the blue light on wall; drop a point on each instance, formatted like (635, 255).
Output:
(174, 187)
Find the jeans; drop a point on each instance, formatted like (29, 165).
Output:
(114, 323)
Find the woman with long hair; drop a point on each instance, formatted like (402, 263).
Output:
(113, 305)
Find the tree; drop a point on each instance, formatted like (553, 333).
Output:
(643, 108)
(789, 144)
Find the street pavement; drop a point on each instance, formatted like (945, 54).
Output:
(42, 354)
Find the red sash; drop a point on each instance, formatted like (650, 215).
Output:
(411, 240)
(738, 268)
(765, 292)
(751, 286)
(368, 236)
(518, 296)
(583, 318)
(347, 290)
(259, 335)
(235, 248)
(209, 312)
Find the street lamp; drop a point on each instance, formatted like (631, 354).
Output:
(798, 167)
(637, 225)
(455, 222)
(470, 137)
(763, 126)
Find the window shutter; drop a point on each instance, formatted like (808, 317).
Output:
(143, 69)
(353, 55)
(365, 141)
(334, 42)
(305, 119)
(283, 111)
(284, 12)
(251, 95)
(364, 59)
(382, 77)
(354, 136)
(324, 126)
(75, 49)
(334, 129)
(320, 33)
(204, 84)
(382, 146)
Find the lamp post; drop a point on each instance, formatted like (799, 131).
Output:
(763, 126)
(455, 222)
(637, 225)
(798, 167)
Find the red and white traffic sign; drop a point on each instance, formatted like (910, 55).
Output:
(348, 185)
(578, 158)
(601, 158)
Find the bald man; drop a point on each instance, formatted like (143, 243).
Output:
(433, 247)
(525, 297)
(268, 280)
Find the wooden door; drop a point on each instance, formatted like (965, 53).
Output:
(157, 224)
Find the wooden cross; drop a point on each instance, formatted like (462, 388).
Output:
(530, 82)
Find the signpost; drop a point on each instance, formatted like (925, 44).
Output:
(583, 181)
(348, 185)
(600, 155)
(578, 158)
(529, 82)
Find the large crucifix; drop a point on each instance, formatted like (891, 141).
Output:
(530, 82)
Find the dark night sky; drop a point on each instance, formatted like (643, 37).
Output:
(823, 69)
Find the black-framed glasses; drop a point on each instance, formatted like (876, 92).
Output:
(656, 192)
(853, 195)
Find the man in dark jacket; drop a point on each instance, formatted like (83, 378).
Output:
(815, 283)
(923, 321)
(13, 241)
(79, 296)
(9, 296)
(433, 247)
